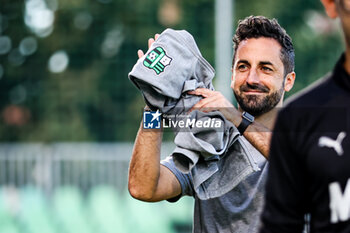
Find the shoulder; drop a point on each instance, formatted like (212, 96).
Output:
(310, 102)
(314, 94)
(185, 180)
(168, 162)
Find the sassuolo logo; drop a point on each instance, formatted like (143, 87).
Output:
(157, 60)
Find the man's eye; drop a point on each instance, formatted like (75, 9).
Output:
(267, 69)
(242, 67)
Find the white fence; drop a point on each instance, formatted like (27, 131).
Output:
(84, 165)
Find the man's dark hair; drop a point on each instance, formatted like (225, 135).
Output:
(260, 26)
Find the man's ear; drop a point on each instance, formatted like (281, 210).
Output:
(330, 8)
(289, 81)
(232, 81)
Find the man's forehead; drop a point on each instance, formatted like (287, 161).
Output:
(259, 50)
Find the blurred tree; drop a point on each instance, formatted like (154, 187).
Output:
(64, 64)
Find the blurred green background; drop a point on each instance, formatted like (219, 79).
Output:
(64, 64)
(69, 114)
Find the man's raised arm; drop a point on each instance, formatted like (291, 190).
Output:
(148, 179)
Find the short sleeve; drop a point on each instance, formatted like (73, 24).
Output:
(185, 180)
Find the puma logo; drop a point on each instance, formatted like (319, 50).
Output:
(331, 143)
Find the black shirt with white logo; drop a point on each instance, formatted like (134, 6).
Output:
(310, 160)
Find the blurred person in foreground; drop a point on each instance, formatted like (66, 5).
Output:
(263, 69)
(310, 151)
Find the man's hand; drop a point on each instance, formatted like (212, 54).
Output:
(140, 53)
(257, 134)
(215, 101)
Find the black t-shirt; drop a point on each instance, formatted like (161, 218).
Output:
(310, 160)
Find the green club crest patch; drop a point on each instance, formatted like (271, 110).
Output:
(157, 60)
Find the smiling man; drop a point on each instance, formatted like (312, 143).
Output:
(262, 71)
(259, 80)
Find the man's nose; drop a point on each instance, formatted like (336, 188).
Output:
(253, 77)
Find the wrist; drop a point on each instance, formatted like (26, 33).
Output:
(247, 119)
(236, 118)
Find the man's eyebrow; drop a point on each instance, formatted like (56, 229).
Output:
(266, 63)
(243, 61)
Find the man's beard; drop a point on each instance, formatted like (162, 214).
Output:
(257, 104)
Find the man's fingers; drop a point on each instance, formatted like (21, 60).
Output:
(202, 91)
(140, 53)
(150, 42)
(207, 107)
(204, 103)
